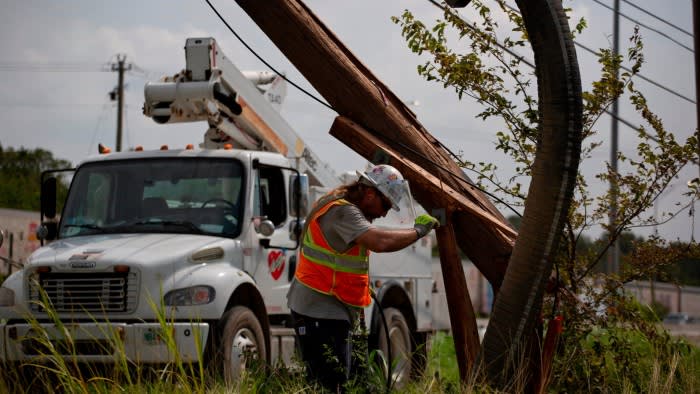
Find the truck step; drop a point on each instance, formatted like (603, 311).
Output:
(281, 331)
(283, 348)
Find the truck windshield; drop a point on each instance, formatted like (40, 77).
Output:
(165, 195)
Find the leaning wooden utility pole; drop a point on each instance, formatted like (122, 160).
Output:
(462, 317)
(357, 95)
(517, 273)
(354, 92)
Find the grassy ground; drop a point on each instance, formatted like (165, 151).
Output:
(583, 366)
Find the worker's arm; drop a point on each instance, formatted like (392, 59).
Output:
(387, 240)
(382, 240)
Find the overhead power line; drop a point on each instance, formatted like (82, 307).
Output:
(642, 77)
(621, 120)
(52, 67)
(265, 62)
(647, 27)
(458, 177)
(498, 44)
(64, 105)
(657, 18)
(141, 72)
(638, 75)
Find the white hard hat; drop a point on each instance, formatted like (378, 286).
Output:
(388, 180)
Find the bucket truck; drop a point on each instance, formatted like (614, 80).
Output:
(206, 237)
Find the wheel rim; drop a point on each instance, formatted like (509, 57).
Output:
(400, 348)
(243, 346)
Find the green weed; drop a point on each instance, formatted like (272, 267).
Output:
(611, 359)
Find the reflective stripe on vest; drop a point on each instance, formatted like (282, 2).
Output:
(343, 274)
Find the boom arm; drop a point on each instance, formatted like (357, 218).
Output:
(211, 88)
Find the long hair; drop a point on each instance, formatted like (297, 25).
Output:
(352, 192)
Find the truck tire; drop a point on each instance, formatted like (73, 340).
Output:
(401, 346)
(242, 341)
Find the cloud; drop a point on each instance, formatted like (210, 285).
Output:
(69, 113)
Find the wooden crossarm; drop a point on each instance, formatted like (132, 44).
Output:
(365, 144)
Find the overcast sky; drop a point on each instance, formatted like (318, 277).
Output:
(53, 94)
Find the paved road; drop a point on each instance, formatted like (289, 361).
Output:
(689, 331)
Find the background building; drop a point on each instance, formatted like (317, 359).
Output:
(19, 230)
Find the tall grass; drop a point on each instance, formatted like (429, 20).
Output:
(625, 360)
(55, 367)
(610, 360)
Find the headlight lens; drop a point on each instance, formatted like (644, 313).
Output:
(7, 297)
(195, 295)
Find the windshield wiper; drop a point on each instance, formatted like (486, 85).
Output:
(181, 223)
(87, 226)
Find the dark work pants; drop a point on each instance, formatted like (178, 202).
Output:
(325, 347)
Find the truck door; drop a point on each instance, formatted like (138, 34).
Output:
(270, 198)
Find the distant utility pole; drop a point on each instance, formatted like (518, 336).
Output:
(120, 67)
(696, 34)
(614, 254)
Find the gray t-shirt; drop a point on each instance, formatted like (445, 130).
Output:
(340, 225)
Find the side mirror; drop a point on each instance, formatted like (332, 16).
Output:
(292, 267)
(265, 227)
(299, 195)
(47, 231)
(295, 229)
(48, 198)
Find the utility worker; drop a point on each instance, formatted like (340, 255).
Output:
(331, 284)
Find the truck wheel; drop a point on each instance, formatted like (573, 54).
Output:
(400, 338)
(242, 342)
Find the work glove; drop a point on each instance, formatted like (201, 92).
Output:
(425, 223)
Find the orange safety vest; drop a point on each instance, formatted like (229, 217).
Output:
(344, 275)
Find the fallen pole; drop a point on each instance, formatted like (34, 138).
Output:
(355, 93)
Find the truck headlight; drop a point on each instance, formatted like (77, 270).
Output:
(195, 295)
(7, 296)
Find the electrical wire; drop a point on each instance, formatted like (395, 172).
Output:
(498, 44)
(646, 27)
(616, 117)
(531, 64)
(638, 75)
(46, 105)
(265, 62)
(656, 17)
(51, 67)
(140, 72)
(456, 176)
(333, 109)
(642, 77)
(100, 118)
(388, 341)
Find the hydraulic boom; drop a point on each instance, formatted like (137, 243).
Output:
(240, 108)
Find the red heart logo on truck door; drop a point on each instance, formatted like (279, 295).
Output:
(275, 262)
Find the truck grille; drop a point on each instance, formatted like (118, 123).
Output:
(85, 292)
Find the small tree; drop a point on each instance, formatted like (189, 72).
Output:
(20, 172)
(493, 76)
